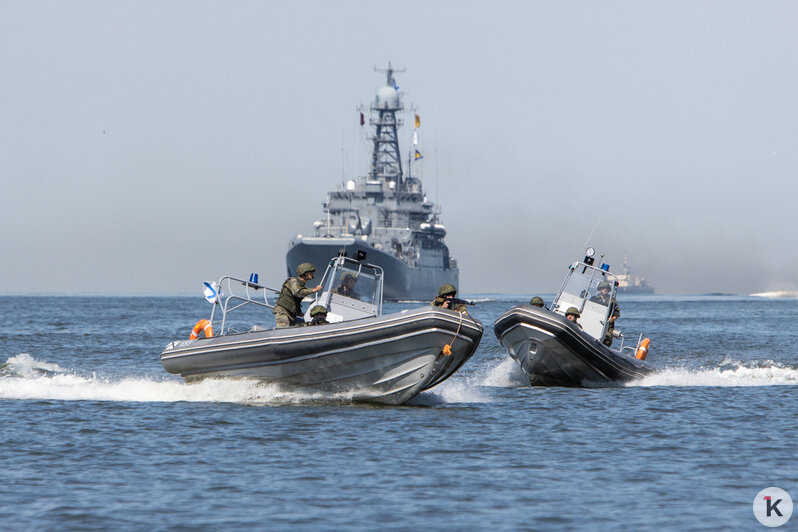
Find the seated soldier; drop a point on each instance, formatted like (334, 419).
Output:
(318, 315)
(537, 302)
(572, 314)
(347, 287)
(446, 294)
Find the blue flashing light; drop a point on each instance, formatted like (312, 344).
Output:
(605, 267)
(253, 278)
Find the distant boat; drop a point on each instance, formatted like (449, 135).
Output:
(629, 283)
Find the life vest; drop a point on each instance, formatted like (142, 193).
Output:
(287, 300)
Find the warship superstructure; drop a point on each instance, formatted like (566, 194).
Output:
(628, 283)
(384, 214)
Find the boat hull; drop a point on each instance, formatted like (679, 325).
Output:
(554, 352)
(387, 359)
(402, 282)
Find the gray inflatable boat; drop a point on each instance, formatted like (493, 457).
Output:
(362, 353)
(553, 351)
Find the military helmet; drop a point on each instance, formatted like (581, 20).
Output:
(604, 284)
(537, 301)
(304, 268)
(446, 289)
(318, 309)
(347, 276)
(572, 311)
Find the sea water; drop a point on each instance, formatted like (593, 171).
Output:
(95, 434)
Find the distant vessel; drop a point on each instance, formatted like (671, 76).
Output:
(384, 214)
(632, 284)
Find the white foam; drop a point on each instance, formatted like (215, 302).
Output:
(729, 373)
(451, 391)
(27, 378)
(787, 294)
(505, 374)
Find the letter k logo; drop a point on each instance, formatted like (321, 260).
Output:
(772, 506)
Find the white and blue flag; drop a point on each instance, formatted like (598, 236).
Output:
(210, 291)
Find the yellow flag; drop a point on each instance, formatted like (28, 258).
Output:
(418, 121)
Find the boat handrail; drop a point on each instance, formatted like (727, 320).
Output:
(239, 300)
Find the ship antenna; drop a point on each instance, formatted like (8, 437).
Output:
(591, 233)
(386, 162)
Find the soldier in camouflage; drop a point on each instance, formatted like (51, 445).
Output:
(318, 316)
(537, 302)
(347, 287)
(572, 314)
(445, 293)
(289, 303)
(602, 297)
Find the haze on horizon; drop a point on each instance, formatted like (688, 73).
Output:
(148, 146)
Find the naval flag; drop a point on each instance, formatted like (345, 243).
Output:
(418, 155)
(210, 291)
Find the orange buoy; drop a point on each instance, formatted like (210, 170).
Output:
(202, 326)
(642, 349)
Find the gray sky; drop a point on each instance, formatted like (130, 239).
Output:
(148, 146)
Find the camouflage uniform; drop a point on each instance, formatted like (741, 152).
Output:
(615, 312)
(289, 303)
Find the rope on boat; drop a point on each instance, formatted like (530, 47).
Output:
(447, 349)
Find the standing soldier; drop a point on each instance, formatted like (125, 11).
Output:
(445, 293)
(289, 304)
(603, 298)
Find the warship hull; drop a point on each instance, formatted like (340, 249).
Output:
(554, 352)
(402, 282)
(636, 290)
(387, 359)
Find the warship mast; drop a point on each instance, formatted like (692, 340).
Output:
(386, 164)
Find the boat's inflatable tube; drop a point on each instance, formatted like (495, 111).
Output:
(642, 350)
(202, 326)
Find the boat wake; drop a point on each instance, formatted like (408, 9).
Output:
(779, 294)
(24, 377)
(728, 373)
(508, 374)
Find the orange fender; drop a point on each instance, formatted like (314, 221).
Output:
(642, 349)
(202, 326)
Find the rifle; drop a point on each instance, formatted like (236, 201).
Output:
(456, 300)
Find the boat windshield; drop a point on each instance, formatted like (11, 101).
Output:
(359, 285)
(351, 290)
(590, 290)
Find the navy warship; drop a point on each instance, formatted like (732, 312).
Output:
(384, 214)
(628, 283)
